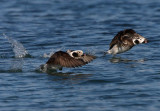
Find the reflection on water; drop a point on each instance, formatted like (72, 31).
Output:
(124, 60)
(12, 65)
(64, 75)
(17, 65)
(68, 77)
(74, 78)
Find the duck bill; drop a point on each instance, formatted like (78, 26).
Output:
(145, 41)
(142, 39)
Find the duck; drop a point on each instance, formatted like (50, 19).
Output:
(124, 41)
(69, 59)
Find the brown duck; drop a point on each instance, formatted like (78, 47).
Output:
(70, 59)
(124, 41)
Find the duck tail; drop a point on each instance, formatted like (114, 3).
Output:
(108, 52)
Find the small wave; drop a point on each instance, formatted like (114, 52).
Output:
(18, 48)
(96, 81)
(48, 55)
(45, 55)
(11, 71)
(16, 64)
(118, 60)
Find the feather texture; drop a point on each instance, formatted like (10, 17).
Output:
(63, 59)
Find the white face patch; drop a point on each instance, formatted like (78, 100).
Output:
(138, 40)
(78, 52)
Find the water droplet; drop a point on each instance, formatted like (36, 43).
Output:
(18, 48)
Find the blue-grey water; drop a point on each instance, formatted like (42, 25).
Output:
(129, 82)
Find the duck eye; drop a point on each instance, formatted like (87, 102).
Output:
(136, 41)
(75, 54)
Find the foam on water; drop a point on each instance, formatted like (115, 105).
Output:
(18, 48)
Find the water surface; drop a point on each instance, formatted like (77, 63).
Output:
(128, 82)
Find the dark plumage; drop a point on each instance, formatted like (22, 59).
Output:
(124, 41)
(64, 59)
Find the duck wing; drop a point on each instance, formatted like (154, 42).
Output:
(116, 40)
(63, 59)
(88, 58)
(121, 40)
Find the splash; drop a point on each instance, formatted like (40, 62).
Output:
(18, 48)
(48, 55)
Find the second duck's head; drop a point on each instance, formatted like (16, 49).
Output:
(135, 37)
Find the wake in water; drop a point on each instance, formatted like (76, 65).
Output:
(18, 48)
(20, 52)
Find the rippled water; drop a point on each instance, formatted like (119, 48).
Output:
(128, 82)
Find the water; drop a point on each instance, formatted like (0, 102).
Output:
(127, 82)
(17, 47)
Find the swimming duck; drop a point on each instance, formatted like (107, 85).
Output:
(70, 59)
(124, 41)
